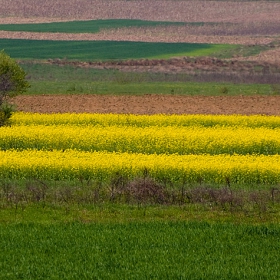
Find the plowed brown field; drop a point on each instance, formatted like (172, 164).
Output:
(150, 104)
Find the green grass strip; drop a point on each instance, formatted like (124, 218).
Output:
(155, 250)
(103, 50)
(88, 26)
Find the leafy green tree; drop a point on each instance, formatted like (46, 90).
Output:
(12, 83)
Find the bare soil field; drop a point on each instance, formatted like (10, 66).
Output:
(150, 104)
(238, 22)
(161, 10)
(140, 36)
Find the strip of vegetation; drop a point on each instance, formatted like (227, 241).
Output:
(135, 250)
(89, 26)
(103, 50)
(190, 88)
(54, 79)
(16, 195)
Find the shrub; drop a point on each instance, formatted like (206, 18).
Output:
(12, 83)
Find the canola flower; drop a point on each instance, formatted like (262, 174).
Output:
(72, 164)
(86, 119)
(149, 140)
(177, 148)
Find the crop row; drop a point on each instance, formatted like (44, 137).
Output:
(148, 140)
(174, 149)
(145, 120)
(70, 164)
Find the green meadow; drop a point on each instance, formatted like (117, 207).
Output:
(103, 50)
(89, 26)
(136, 250)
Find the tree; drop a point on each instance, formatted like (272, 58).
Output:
(12, 83)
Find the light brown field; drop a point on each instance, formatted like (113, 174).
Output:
(142, 35)
(163, 10)
(254, 22)
(150, 104)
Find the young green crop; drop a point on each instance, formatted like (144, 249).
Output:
(88, 26)
(105, 50)
(135, 250)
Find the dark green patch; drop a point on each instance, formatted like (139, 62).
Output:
(89, 26)
(103, 50)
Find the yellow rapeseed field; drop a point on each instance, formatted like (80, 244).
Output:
(145, 120)
(181, 149)
(70, 164)
(149, 140)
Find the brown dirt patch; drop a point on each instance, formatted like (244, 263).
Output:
(205, 65)
(150, 104)
(270, 56)
(137, 35)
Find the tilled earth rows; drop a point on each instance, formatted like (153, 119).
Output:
(150, 104)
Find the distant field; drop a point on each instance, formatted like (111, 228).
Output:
(189, 11)
(87, 26)
(54, 79)
(103, 50)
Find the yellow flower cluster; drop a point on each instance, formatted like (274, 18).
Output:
(72, 164)
(145, 120)
(146, 140)
(182, 149)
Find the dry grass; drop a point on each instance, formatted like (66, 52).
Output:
(141, 191)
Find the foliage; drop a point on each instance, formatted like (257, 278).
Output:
(12, 82)
(6, 111)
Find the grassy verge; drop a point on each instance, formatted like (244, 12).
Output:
(189, 88)
(141, 199)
